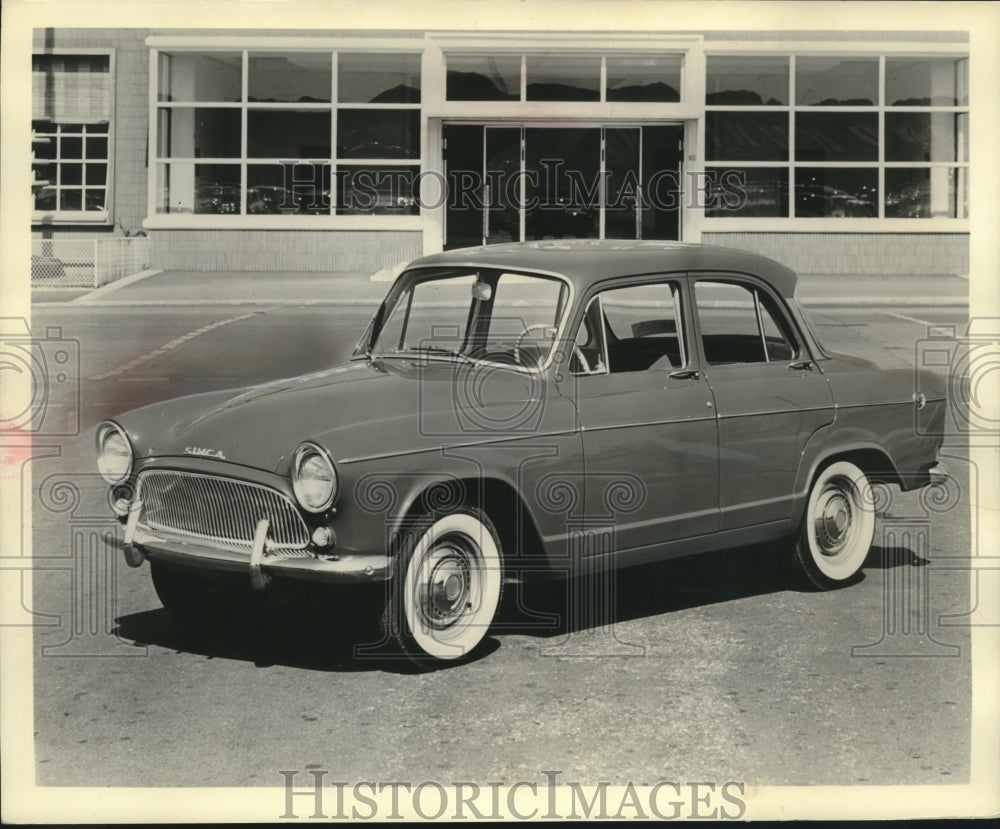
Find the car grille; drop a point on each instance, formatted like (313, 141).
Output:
(221, 512)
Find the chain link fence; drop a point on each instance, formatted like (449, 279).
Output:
(86, 263)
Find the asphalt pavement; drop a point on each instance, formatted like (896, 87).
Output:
(158, 287)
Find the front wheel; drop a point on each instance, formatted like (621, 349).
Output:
(447, 589)
(838, 526)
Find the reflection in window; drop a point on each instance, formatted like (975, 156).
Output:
(388, 133)
(926, 136)
(922, 192)
(291, 134)
(483, 78)
(563, 78)
(742, 81)
(202, 132)
(834, 136)
(184, 187)
(288, 189)
(376, 190)
(191, 76)
(300, 77)
(836, 81)
(748, 191)
(926, 81)
(836, 192)
(383, 78)
(746, 136)
(638, 78)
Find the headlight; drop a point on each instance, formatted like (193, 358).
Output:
(314, 478)
(114, 454)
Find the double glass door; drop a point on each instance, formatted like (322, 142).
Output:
(522, 183)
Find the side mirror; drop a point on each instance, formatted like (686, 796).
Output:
(482, 291)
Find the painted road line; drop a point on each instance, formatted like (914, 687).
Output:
(909, 319)
(138, 361)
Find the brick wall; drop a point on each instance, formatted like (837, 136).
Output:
(856, 253)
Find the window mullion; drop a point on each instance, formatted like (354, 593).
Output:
(244, 120)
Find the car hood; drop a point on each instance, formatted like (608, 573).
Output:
(355, 410)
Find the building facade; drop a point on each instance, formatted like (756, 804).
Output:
(834, 152)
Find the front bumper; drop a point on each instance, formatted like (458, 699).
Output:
(140, 543)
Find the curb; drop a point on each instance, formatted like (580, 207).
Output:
(111, 287)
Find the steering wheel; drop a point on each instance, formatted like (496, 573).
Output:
(577, 351)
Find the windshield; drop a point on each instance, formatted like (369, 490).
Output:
(472, 314)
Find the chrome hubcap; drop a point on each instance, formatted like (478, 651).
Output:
(833, 520)
(447, 586)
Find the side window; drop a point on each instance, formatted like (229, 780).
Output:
(636, 328)
(741, 324)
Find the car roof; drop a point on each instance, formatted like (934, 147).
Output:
(586, 261)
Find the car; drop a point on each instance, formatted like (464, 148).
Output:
(526, 409)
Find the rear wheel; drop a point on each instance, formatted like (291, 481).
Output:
(838, 526)
(447, 589)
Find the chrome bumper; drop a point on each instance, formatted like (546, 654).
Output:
(140, 543)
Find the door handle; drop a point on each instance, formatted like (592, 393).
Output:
(802, 365)
(685, 374)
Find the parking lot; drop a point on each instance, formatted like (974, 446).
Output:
(713, 668)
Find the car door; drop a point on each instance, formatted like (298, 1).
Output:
(770, 396)
(649, 428)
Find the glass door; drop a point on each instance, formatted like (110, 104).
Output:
(522, 183)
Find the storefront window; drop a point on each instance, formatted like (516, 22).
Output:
(288, 133)
(836, 192)
(294, 79)
(836, 81)
(637, 78)
(374, 189)
(918, 193)
(834, 136)
(378, 79)
(483, 78)
(563, 78)
(843, 144)
(294, 105)
(747, 81)
(925, 136)
(746, 136)
(748, 191)
(927, 81)
(366, 133)
(191, 76)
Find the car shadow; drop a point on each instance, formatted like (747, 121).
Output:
(312, 628)
(320, 630)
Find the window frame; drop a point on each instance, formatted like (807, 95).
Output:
(880, 222)
(785, 322)
(681, 319)
(245, 48)
(83, 216)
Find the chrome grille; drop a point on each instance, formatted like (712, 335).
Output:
(220, 511)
